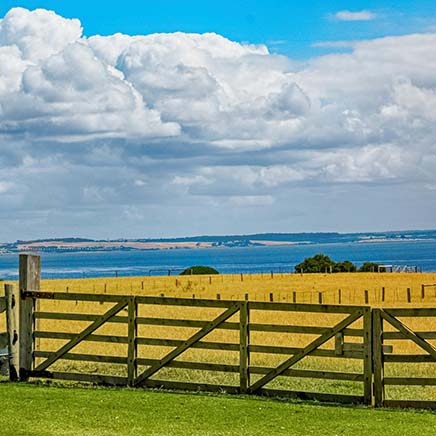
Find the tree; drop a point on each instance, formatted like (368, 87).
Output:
(199, 269)
(369, 267)
(345, 266)
(317, 264)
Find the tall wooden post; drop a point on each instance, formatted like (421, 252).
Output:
(378, 364)
(30, 274)
(244, 344)
(132, 345)
(12, 326)
(367, 356)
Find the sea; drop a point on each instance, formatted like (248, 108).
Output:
(265, 259)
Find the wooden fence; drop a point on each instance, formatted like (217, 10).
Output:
(217, 345)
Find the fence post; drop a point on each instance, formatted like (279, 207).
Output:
(29, 280)
(367, 355)
(132, 345)
(377, 329)
(12, 327)
(244, 343)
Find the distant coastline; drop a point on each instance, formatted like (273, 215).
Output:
(63, 245)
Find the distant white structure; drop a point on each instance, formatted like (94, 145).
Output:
(398, 268)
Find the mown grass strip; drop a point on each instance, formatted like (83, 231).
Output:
(32, 410)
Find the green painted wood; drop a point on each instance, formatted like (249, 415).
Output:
(306, 350)
(81, 336)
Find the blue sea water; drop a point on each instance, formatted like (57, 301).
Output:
(225, 260)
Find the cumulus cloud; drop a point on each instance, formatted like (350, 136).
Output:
(355, 16)
(176, 120)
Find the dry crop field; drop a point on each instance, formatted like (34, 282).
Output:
(350, 288)
(259, 287)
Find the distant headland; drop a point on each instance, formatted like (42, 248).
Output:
(207, 241)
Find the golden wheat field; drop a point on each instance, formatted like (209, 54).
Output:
(349, 287)
(396, 290)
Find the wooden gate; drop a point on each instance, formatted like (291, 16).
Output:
(212, 345)
(391, 329)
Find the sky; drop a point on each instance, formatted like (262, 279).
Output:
(189, 118)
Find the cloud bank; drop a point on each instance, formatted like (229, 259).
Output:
(179, 133)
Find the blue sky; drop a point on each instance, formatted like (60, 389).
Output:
(289, 27)
(288, 117)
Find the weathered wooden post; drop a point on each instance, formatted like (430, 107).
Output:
(132, 352)
(29, 280)
(12, 327)
(244, 346)
(377, 351)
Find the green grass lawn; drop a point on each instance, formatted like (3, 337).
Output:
(40, 410)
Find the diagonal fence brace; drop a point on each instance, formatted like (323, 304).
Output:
(275, 372)
(83, 335)
(409, 334)
(189, 342)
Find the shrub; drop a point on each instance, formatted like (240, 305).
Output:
(199, 269)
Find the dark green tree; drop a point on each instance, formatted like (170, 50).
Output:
(345, 266)
(319, 263)
(369, 267)
(199, 269)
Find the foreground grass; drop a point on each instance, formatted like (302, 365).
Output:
(31, 410)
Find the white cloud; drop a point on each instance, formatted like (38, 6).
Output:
(355, 15)
(163, 120)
